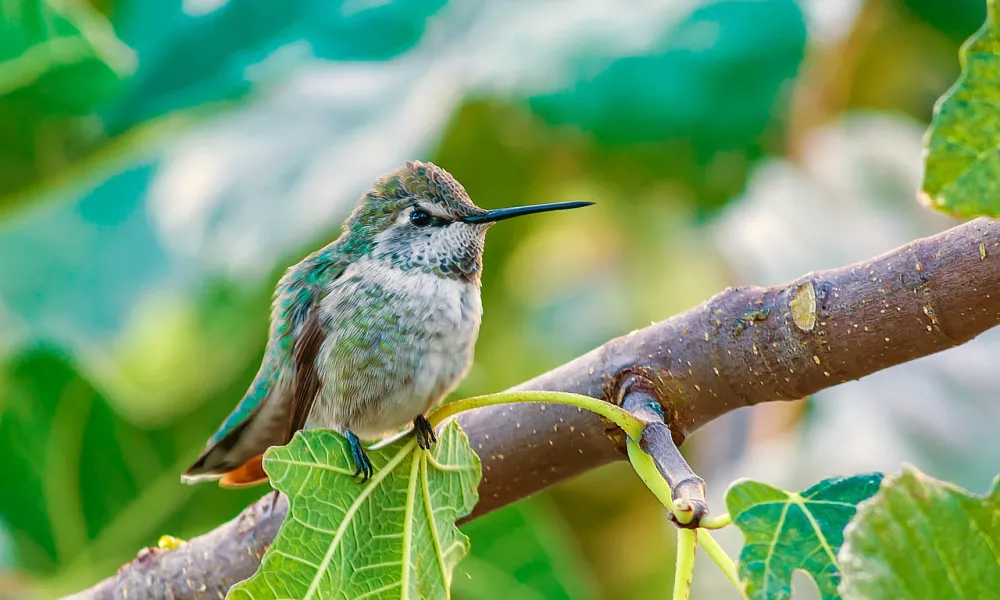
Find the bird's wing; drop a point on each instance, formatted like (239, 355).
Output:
(294, 343)
(306, 293)
(307, 384)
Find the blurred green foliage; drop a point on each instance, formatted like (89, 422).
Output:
(957, 19)
(905, 543)
(74, 76)
(522, 551)
(58, 64)
(162, 162)
(90, 484)
(693, 69)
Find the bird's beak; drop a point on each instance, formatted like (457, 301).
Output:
(500, 214)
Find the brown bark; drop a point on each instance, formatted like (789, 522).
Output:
(741, 347)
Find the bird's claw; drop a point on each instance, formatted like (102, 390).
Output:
(362, 463)
(424, 432)
(274, 501)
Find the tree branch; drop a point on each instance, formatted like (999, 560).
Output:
(741, 347)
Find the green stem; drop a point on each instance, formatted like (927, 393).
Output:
(718, 522)
(719, 556)
(646, 469)
(684, 511)
(687, 542)
(619, 416)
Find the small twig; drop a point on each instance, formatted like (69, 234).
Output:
(687, 490)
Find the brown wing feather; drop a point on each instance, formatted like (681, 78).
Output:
(307, 382)
(303, 395)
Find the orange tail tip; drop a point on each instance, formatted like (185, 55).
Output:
(248, 474)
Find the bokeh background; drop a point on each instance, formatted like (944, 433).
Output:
(162, 162)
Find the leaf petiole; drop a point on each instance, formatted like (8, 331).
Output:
(717, 522)
(646, 469)
(619, 416)
(687, 541)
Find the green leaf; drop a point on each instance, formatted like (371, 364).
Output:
(962, 174)
(59, 61)
(393, 536)
(923, 538)
(788, 531)
(93, 488)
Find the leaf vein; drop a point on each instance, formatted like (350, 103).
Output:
(432, 524)
(308, 465)
(817, 530)
(372, 484)
(408, 527)
(450, 467)
(774, 542)
(384, 588)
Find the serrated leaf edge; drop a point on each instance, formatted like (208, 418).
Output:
(937, 201)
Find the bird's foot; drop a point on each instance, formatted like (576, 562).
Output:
(424, 431)
(362, 463)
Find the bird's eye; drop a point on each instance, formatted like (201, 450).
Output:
(421, 218)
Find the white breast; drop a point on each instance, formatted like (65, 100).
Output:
(435, 324)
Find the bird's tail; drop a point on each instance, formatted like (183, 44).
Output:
(217, 463)
(248, 474)
(233, 456)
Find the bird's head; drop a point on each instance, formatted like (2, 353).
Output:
(420, 218)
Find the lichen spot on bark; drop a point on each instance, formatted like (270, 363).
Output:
(803, 306)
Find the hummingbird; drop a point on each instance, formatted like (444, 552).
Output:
(370, 332)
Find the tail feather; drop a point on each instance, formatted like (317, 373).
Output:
(233, 455)
(248, 474)
(216, 460)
